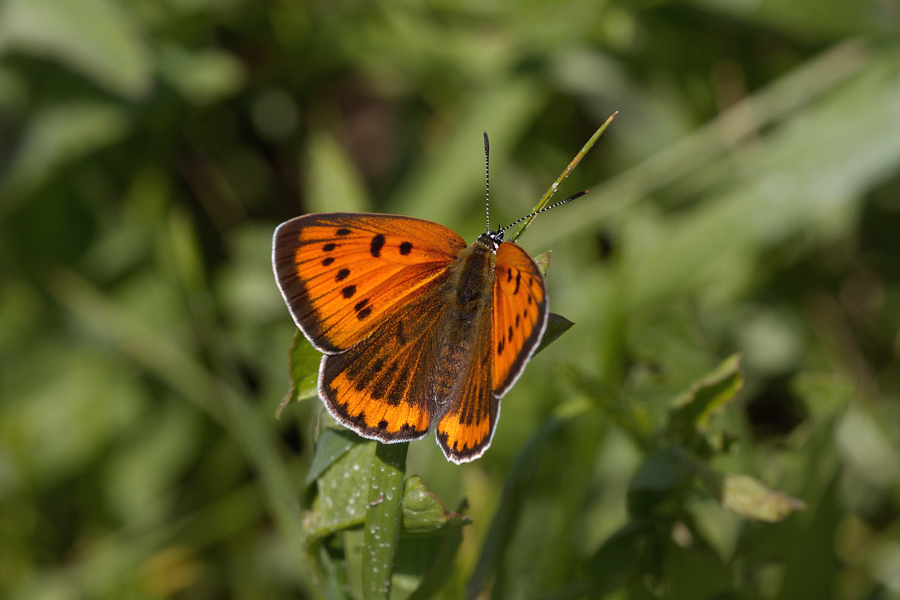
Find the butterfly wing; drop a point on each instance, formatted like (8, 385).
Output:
(508, 336)
(465, 430)
(519, 314)
(342, 275)
(383, 388)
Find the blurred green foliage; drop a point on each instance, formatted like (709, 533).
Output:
(745, 200)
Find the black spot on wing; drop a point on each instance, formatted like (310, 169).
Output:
(362, 309)
(342, 275)
(343, 231)
(327, 261)
(329, 247)
(376, 245)
(376, 365)
(398, 390)
(405, 248)
(348, 291)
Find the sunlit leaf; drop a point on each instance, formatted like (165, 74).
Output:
(202, 76)
(334, 184)
(748, 498)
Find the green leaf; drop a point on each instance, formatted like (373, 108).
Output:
(691, 413)
(556, 326)
(304, 367)
(542, 261)
(334, 184)
(423, 512)
(201, 76)
(333, 444)
(750, 499)
(342, 497)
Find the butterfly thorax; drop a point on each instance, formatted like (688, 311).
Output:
(471, 275)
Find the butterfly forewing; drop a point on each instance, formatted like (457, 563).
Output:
(342, 275)
(519, 314)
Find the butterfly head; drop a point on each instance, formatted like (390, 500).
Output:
(491, 239)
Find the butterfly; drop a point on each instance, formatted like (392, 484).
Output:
(419, 330)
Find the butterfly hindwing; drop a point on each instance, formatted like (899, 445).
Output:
(519, 314)
(465, 430)
(382, 388)
(342, 275)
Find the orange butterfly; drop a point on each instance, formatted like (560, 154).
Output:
(417, 328)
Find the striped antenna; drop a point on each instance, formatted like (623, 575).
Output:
(487, 181)
(546, 208)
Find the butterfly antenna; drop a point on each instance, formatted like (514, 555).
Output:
(545, 209)
(487, 181)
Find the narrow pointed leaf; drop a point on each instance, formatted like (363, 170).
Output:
(556, 326)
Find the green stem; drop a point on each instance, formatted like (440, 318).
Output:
(383, 519)
(545, 199)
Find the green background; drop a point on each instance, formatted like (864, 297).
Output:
(746, 199)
